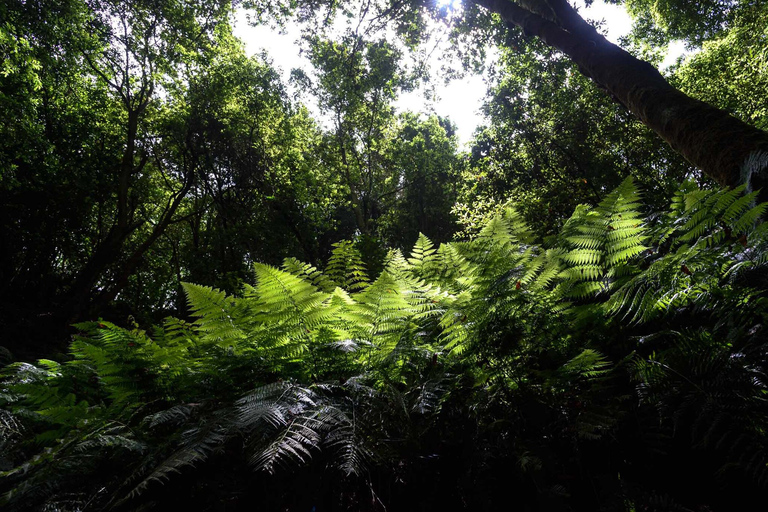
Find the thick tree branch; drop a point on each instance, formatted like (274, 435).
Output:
(723, 147)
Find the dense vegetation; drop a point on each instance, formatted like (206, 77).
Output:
(212, 300)
(620, 367)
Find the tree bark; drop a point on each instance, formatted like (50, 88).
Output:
(723, 147)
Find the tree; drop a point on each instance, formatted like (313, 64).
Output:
(555, 141)
(59, 127)
(145, 43)
(256, 193)
(731, 70)
(92, 176)
(395, 171)
(723, 147)
(357, 84)
(261, 191)
(424, 181)
(692, 21)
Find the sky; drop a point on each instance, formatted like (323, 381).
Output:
(460, 100)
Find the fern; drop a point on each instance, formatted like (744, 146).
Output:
(215, 314)
(514, 351)
(346, 268)
(602, 244)
(380, 317)
(423, 258)
(309, 273)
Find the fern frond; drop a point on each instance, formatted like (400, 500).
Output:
(197, 445)
(346, 268)
(215, 313)
(309, 273)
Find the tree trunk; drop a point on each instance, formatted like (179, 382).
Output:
(726, 149)
(78, 300)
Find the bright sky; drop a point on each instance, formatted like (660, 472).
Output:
(460, 100)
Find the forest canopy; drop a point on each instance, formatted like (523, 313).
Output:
(214, 293)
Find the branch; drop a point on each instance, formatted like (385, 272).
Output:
(570, 20)
(534, 24)
(104, 77)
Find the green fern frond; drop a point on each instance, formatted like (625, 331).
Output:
(380, 315)
(424, 258)
(197, 445)
(215, 313)
(603, 241)
(346, 268)
(589, 363)
(309, 273)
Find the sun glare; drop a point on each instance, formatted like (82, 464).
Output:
(454, 4)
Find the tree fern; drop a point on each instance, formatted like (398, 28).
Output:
(515, 352)
(424, 260)
(601, 243)
(215, 313)
(346, 268)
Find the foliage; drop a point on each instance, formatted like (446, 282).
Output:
(730, 71)
(555, 141)
(675, 19)
(141, 146)
(395, 172)
(616, 365)
(629, 334)
(162, 153)
(96, 161)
